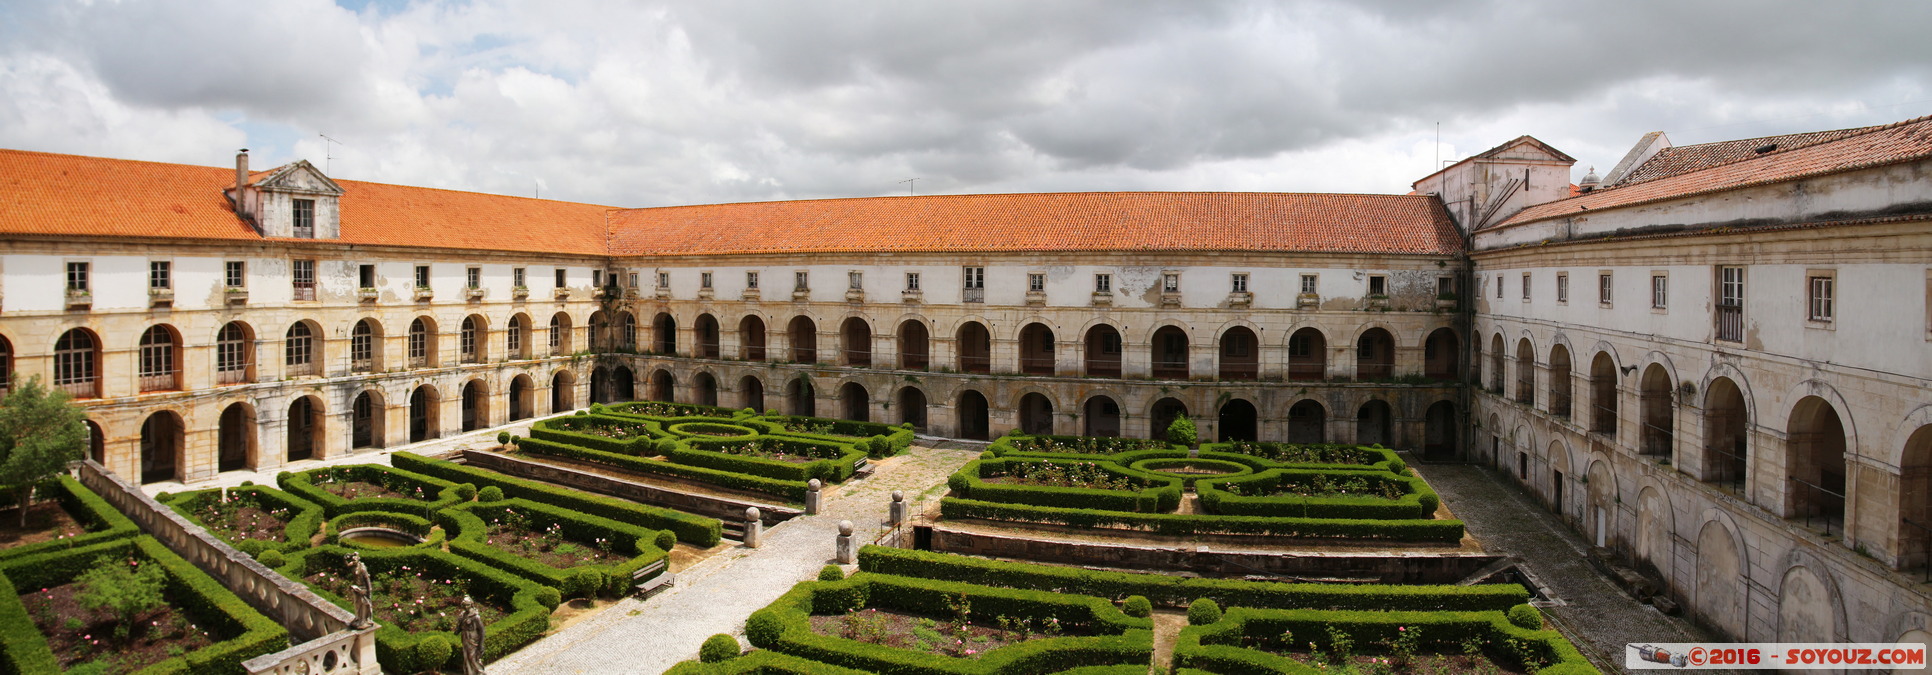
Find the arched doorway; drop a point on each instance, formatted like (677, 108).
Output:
(304, 428)
(476, 405)
(973, 423)
(422, 413)
(1915, 501)
(706, 328)
(1240, 356)
(1525, 372)
(706, 388)
(1560, 381)
(365, 421)
(1103, 351)
(161, 443)
(1307, 355)
(1496, 364)
(623, 384)
(563, 391)
(915, 345)
(1169, 352)
(559, 334)
(521, 398)
(603, 388)
(751, 393)
(1102, 415)
(1603, 395)
(1654, 399)
(1036, 349)
(664, 329)
(1307, 422)
(1237, 421)
(801, 398)
(663, 387)
(96, 440)
(855, 338)
(855, 403)
(804, 336)
(236, 438)
(1375, 355)
(1441, 355)
(1725, 436)
(975, 348)
(751, 338)
(1164, 412)
(1036, 414)
(1439, 431)
(1374, 424)
(1815, 464)
(912, 407)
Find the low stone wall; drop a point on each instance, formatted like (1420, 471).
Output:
(723, 508)
(1388, 568)
(317, 625)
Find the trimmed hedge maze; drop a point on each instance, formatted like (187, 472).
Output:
(739, 450)
(1270, 489)
(99, 520)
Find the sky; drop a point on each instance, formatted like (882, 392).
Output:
(634, 103)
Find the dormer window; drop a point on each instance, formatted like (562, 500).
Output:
(304, 218)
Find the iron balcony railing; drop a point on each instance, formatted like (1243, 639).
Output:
(1730, 323)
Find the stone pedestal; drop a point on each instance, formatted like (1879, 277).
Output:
(846, 552)
(897, 512)
(813, 497)
(754, 527)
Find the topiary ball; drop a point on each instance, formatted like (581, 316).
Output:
(433, 651)
(763, 628)
(466, 491)
(490, 494)
(1526, 616)
(583, 412)
(831, 573)
(503, 438)
(272, 558)
(665, 540)
(248, 483)
(717, 648)
(1203, 612)
(549, 597)
(1137, 606)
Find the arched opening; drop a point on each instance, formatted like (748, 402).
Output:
(1496, 364)
(1560, 381)
(1915, 501)
(751, 338)
(472, 343)
(1375, 355)
(912, 407)
(423, 424)
(663, 387)
(235, 438)
(1476, 362)
(706, 328)
(751, 393)
(973, 422)
(6, 366)
(804, 336)
(1441, 355)
(600, 338)
(1164, 412)
(1307, 355)
(1169, 351)
(1036, 414)
(855, 403)
(602, 389)
(1655, 401)
(161, 444)
(160, 359)
(1726, 436)
(365, 421)
(915, 345)
(476, 405)
(522, 398)
(623, 384)
(422, 342)
(706, 388)
(1102, 415)
(1240, 355)
(1439, 431)
(1815, 461)
(96, 440)
(1237, 421)
(1036, 349)
(516, 337)
(1103, 351)
(365, 354)
(664, 329)
(304, 428)
(1525, 372)
(855, 337)
(801, 398)
(234, 354)
(563, 391)
(1603, 395)
(624, 332)
(1307, 422)
(77, 358)
(559, 334)
(302, 349)
(975, 348)
(1374, 424)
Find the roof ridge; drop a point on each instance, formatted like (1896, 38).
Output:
(1020, 194)
(1856, 132)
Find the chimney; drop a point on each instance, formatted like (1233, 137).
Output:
(241, 178)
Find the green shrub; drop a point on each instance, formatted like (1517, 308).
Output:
(434, 651)
(435, 493)
(793, 490)
(503, 438)
(272, 559)
(1182, 432)
(1220, 647)
(717, 648)
(1204, 611)
(124, 590)
(665, 540)
(763, 628)
(1192, 524)
(103, 522)
(1525, 616)
(465, 491)
(696, 530)
(1137, 606)
(831, 573)
(490, 493)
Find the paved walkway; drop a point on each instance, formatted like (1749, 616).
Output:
(1598, 616)
(479, 439)
(717, 594)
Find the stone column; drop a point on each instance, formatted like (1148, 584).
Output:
(814, 499)
(846, 551)
(896, 514)
(754, 527)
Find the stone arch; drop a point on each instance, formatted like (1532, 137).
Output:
(1604, 390)
(854, 402)
(516, 337)
(1238, 420)
(1169, 347)
(305, 426)
(1817, 442)
(424, 412)
(421, 342)
(1727, 436)
(522, 398)
(974, 344)
(1496, 356)
(1101, 415)
(475, 404)
(1657, 406)
(1375, 423)
(1161, 413)
(163, 440)
(1561, 381)
(704, 388)
(1441, 433)
(1037, 348)
(1442, 354)
(1375, 354)
(971, 410)
(1719, 591)
(235, 353)
(559, 334)
(1104, 349)
(1307, 422)
(237, 443)
(913, 407)
(855, 342)
(1809, 606)
(367, 413)
(664, 333)
(563, 390)
(1525, 371)
(663, 386)
(708, 335)
(751, 393)
(1239, 353)
(915, 344)
(624, 331)
(302, 348)
(1036, 413)
(751, 338)
(472, 339)
(1307, 354)
(1655, 529)
(802, 331)
(800, 396)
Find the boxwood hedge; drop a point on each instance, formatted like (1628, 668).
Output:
(1156, 493)
(1217, 647)
(304, 520)
(834, 462)
(692, 529)
(1314, 455)
(102, 521)
(793, 490)
(1445, 531)
(468, 524)
(435, 493)
(768, 662)
(1241, 496)
(416, 525)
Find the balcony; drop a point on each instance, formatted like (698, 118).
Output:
(1036, 298)
(1308, 301)
(424, 294)
(664, 293)
(520, 292)
(234, 376)
(1103, 299)
(160, 382)
(77, 299)
(912, 297)
(1170, 298)
(303, 293)
(1730, 323)
(1170, 369)
(750, 295)
(1036, 364)
(83, 389)
(367, 294)
(973, 295)
(237, 295)
(160, 297)
(706, 293)
(473, 294)
(855, 296)
(1240, 299)
(801, 295)
(562, 294)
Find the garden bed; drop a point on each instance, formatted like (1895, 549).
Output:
(252, 518)
(934, 635)
(68, 516)
(371, 487)
(79, 634)
(46, 521)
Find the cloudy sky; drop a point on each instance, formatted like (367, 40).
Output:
(632, 103)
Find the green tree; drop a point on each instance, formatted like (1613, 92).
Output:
(127, 591)
(1182, 432)
(40, 432)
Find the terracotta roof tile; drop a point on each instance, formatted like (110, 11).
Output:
(1874, 146)
(1082, 221)
(400, 215)
(1687, 158)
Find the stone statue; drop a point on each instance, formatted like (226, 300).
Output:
(360, 590)
(469, 627)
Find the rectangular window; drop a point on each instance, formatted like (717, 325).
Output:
(1820, 297)
(1499, 287)
(1730, 304)
(1103, 283)
(234, 273)
(751, 280)
(77, 276)
(1659, 291)
(704, 280)
(630, 280)
(663, 279)
(1378, 285)
(1445, 287)
(1171, 282)
(1526, 287)
(801, 280)
(1603, 287)
(1308, 284)
(1239, 282)
(305, 219)
(160, 275)
(912, 281)
(560, 277)
(473, 277)
(1036, 283)
(1562, 288)
(597, 278)
(366, 276)
(422, 276)
(517, 278)
(303, 276)
(855, 280)
(975, 284)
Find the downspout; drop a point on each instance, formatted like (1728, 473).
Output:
(1467, 294)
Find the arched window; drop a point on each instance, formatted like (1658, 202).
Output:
(76, 356)
(232, 354)
(421, 343)
(362, 346)
(469, 340)
(513, 337)
(559, 334)
(626, 332)
(299, 350)
(159, 366)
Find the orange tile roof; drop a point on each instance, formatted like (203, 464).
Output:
(1877, 146)
(1687, 158)
(1080, 221)
(399, 215)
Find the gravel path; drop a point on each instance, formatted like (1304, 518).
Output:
(716, 595)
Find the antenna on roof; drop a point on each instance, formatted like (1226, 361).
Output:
(910, 182)
(1438, 146)
(328, 153)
